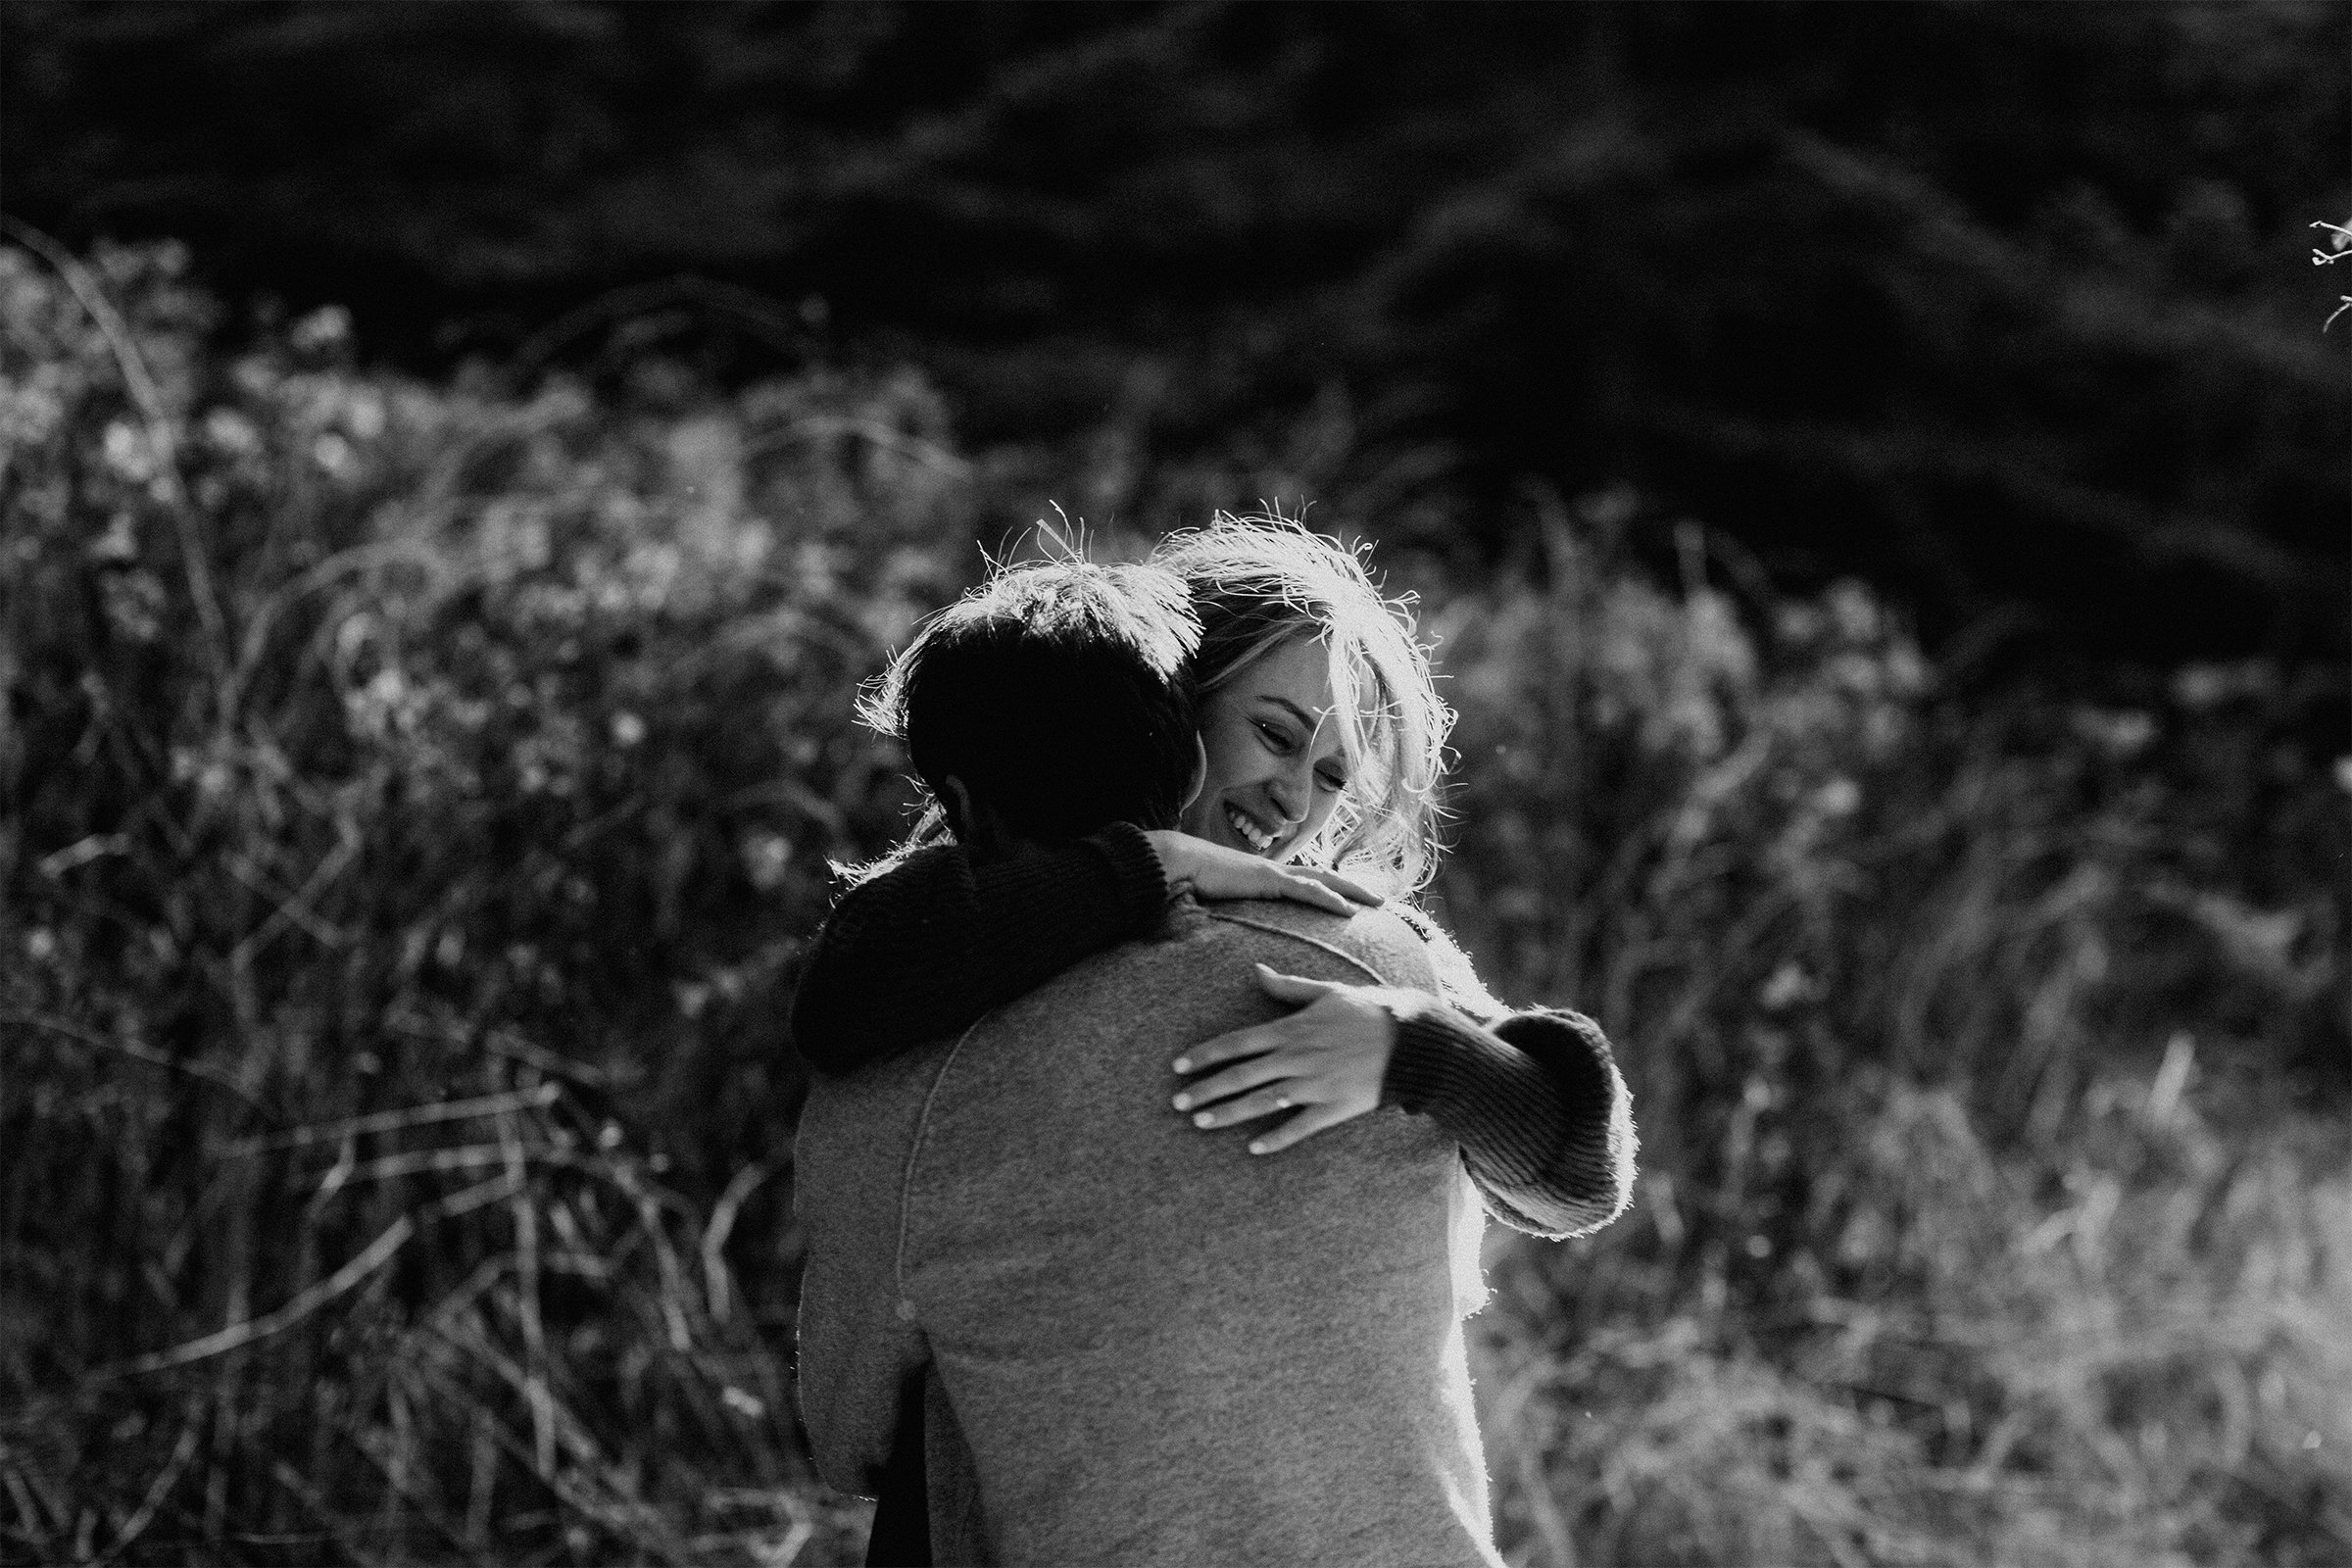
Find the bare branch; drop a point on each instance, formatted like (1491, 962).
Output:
(136, 1052)
(239, 1335)
(385, 1121)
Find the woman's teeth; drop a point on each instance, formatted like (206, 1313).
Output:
(1257, 837)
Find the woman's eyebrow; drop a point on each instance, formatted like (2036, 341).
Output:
(1307, 720)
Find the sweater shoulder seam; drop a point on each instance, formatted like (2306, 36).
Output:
(914, 1150)
(1336, 950)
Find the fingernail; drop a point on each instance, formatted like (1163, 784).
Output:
(1203, 1119)
(1184, 1101)
(1183, 1064)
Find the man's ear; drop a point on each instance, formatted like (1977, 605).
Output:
(1191, 791)
(976, 825)
(957, 801)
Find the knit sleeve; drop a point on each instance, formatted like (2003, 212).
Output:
(930, 945)
(1533, 1097)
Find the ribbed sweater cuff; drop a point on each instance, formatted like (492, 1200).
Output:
(1141, 883)
(1038, 914)
(1495, 1100)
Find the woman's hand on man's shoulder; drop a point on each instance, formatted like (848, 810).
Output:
(1215, 871)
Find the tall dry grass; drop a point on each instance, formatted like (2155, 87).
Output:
(414, 796)
(1989, 1064)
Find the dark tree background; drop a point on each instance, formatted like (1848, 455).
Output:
(2008, 308)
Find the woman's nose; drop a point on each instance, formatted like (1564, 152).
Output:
(1289, 793)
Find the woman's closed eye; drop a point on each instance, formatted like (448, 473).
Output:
(1280, 742)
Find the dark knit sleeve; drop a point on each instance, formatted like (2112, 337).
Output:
(1534, 1098)
(927, 947)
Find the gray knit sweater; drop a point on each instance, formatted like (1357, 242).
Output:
(922, 948)
(1151, 1347)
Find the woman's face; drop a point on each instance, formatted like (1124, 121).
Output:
(1276, 761)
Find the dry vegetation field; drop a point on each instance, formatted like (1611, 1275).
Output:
(415, 797)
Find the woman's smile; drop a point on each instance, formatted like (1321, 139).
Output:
(1277, 758)
(1256, 837)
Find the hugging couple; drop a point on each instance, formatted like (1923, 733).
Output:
(1153, 1128)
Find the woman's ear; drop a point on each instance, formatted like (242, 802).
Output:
(1191, 791)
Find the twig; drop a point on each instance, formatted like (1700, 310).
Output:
(574, 1436)
(297, 911)
(527, 1306)
(28, 1506)
(427, 1161)
(516, 1049)
(481, 1194)
(96, 847)
(153, 1059)
(421, 1502)
(379, 1252)
(721, 1226)
(144, 1515)
(286, 1476)
(385, 1121)
(290, 907)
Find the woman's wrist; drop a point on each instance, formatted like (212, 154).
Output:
(1172, 851)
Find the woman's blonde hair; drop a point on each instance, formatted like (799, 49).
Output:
(1259, 582)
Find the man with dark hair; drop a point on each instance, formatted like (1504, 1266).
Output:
(1050, 702)
(1042, 708)
(1128, 1341)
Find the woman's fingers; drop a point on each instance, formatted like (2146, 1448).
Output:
(1309, 1122)
(1219, 871)
(1249, 1107)
(1304, 887)
(1250, 1041)
(1232, 1080)
(1354, 891)
(1295, 988)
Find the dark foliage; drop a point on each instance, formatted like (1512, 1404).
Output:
(2008, 307)
(413, 797)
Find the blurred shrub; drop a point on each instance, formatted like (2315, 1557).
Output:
(1936, 1260)
(414, 798)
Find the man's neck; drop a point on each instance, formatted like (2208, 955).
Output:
(991, 841)
(1007, 852)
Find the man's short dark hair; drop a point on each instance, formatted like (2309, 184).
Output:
(1059, 693)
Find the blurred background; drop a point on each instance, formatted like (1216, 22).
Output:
(1876, 476)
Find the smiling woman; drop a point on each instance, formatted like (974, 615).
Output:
(1323, 729)
(1279, 759)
